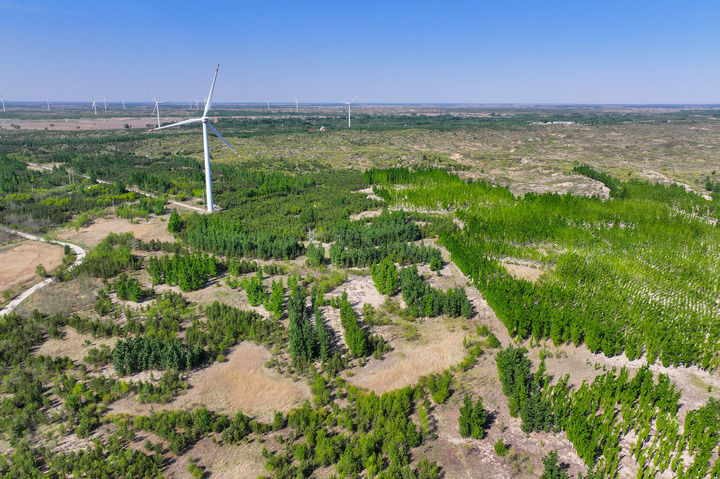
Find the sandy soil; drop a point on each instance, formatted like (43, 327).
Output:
(223, 462)
(96, 232)
(523, 271)
(242, 383)
(367, 213)
(72, 345)
(93, 123)
(20, 260)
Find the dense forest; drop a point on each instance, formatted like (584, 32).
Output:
(634, 274)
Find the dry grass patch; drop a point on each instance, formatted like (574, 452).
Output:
(93, 234)
(69, 297)
(222, 462)
(20, 260)
(242, 383)
(432, 345)
(73, 345)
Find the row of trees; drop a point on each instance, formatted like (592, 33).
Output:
(598, 415)
(142, 353)
(188, 271)
(223, 235)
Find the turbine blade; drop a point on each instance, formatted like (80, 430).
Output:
(179, 123)
(212, 87)
(217, 133)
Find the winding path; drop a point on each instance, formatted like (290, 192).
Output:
(79, 255)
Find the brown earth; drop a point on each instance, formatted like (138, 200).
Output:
(20, 260)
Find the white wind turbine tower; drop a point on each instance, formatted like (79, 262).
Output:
(94, 107)
(48, 104)
(3, 103)
(205, 124)
(348, 103)
(105, 104)
(123, 102)
(296, 106)
(156, 109)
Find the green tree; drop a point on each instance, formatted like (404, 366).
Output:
(552, 468)
(174, 223)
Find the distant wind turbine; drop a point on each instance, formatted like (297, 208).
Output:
(94, 107)
(48, 104)
(105, 104)
(123, 102)
(296, 106)
(205, 124)
(348, 103)
(3, 103)
(156, 109)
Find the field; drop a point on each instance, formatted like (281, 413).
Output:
(557, 267)
(20, 260)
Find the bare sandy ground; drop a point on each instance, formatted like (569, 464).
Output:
(224, 462)
(96, 232)
(94, 123)
(20, 260)
(242, 383)
(72, 345)
(523, 271)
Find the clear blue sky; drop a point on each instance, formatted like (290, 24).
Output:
(578, 51)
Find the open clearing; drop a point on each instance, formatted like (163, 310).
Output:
(523, 271)
(72, 296)
(242, 383)
(96, 232)
(228, 461)
(20, 260)
(73, 345)
(437, 345)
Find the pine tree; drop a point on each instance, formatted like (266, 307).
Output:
(174, 223)
(465, 416)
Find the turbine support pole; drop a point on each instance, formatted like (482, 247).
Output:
(208, 182)
(348, 115)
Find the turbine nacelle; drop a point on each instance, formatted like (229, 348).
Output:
(207, 125)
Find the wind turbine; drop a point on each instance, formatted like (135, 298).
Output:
(157, 109)
(94, 108)
(123, 105)
(348, 103)
(296, 106)
(3, 102)
(105, 104)
(48, 104)
(205, 124)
